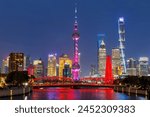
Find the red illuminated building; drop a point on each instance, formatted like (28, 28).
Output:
(108, 74)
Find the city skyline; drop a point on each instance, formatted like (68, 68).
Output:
(42, 28)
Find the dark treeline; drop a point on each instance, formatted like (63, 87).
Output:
(17, 78)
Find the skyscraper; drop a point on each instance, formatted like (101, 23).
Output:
(102, 59)
(63, 60)
(16, 62)
(121, 31)
(116, 62)
(38, 68)
(100, 38)
(27, 62)
(93, 70)
(51, 68)
(75, 37)
(5, 65)
(67, 70)
(143, 66)
(131, 67)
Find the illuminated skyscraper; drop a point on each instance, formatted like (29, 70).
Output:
(143, 66)
(5, 65)
(116, 62)
(27, 62)
(67, 70)
(51, 69)
(16, 62)
(102, 59)
(131, 67)
(121, 31)
(63, 60)
(38, 68)
(75, 37)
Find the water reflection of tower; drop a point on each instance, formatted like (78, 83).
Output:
(76, 36)
(121, 31)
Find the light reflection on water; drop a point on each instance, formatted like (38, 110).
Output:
(60, 93)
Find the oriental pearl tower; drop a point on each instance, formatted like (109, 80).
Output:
(75, 37)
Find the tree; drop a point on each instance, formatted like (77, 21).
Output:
(17, 78)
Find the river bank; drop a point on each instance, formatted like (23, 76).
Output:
(15, 91)
(132, 90)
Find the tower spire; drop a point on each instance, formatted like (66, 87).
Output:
(75, 37)
(76, 19)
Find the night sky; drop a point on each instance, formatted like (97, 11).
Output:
(42, 27)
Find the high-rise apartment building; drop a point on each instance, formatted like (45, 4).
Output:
(102, 59)
(16, 62)
(116, 62)
(38, 68)
(63, 60)
(51, 68)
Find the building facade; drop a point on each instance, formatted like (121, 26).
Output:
(116, 62)
(38, 68)
(67, 71)
(16, 62)
(93, 70)
(27, 62)
(63, 60)
(5, 66)
(143, 66)
(51, 68)
(132, 67)
(102, 59)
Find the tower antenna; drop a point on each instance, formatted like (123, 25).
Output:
(76, 11)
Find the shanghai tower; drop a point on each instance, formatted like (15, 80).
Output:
(121, 31)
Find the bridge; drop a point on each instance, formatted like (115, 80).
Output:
(57, 78)
(73, 85)
(68, 82)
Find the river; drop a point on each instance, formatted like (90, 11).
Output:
(63, 93)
